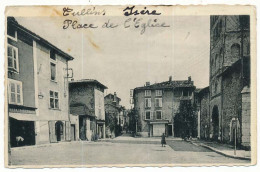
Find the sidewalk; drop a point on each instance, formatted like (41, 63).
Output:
(48, 144)
(223, 149)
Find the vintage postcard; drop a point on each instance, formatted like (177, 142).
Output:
(102, 86)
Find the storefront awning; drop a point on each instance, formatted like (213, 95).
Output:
(23, 116)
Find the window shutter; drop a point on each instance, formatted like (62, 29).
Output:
(53, 138)
(67, 132)
(160, 102)
(149, 102)
(151, 114)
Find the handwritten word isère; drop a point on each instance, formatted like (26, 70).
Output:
(131, 11)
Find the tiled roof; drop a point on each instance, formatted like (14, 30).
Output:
(113, 96)
(169, 84)
(93, 81)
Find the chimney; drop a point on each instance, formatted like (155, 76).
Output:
(114, 96)
(170, 78)
(147, 84)
(189, 78)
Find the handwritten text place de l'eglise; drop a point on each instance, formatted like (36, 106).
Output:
(128, 23)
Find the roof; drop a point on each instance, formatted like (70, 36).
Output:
(169, 84)
(112, 96)
(203, 91)
(88, 81)
(12, 21)
(236, 66)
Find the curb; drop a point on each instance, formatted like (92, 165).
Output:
(219, 152)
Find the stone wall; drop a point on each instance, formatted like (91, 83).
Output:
(204, 115)
(246, 117)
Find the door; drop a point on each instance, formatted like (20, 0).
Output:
(169, 130)
(215, 122)
(72, 132)
(59, 130)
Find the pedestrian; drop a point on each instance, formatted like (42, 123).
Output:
(163, 141)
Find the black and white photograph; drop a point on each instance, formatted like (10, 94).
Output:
(100, 86)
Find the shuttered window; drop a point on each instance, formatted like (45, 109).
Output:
(158, 92)
(158, 102)
(147, 93)
(15, 92)
(147, 102)
(12, 54)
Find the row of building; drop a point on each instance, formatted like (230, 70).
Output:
(45, 105)
(223, 108)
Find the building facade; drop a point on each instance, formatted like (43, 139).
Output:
(37, 88)
(230, 79)
(113, 110)
(86, 100)
(156, 106)
(203, 113)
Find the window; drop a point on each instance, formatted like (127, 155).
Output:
(147, 93)
(216, 87)
(158, 102)
(12, 33)
(53, 71)
(147, 102)
(158, 114)
(147, 115)
(158, 92)
(54, 100)
(12, 54)
(15, 92)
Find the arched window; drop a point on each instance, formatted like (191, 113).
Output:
(216, 87)
(235, 51)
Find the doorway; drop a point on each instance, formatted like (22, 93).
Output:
(215, 123)
(59, 130)
(169, 130)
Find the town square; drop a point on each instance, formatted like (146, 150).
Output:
(114, 93)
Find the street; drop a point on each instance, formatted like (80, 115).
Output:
(119, 151)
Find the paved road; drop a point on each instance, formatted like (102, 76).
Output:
(118, 151)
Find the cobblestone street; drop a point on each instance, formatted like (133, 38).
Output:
(119, 151)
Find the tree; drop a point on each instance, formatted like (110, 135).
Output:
(133, 118)
(185, 121)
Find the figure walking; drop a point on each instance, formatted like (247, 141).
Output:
(163, 141)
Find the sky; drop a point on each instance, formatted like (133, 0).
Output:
(123, 58)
